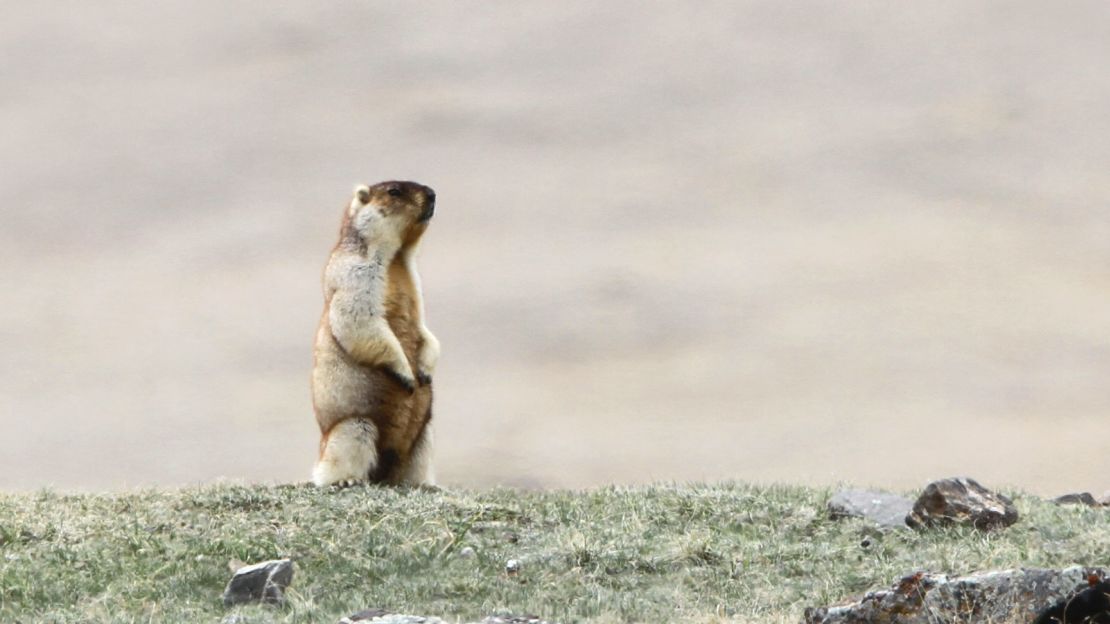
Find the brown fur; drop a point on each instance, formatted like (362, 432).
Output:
(353, 389)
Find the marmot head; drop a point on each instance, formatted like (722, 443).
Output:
(397, 211)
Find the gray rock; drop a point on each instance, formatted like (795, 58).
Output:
(1082, 498)
(513, 619)
(398, 618)
(961, 501)
(883, 508)
(512, 566)
(1090, 606)
(364, 615)
(381, 616)
(922, 598)
(261, 582)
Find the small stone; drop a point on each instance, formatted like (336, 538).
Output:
(398, 618)
(466, 552)
(513, 619)
(1082, 498)
(364, 615)
(961, 501)
(883, 508)
(233, 565)
(261, 582)
(512, 566)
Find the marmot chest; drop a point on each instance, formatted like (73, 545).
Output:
(402, 309)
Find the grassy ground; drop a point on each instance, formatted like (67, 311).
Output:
(698, 553)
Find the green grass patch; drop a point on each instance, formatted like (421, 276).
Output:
(693, 553)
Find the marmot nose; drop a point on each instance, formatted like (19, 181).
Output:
(429, 205)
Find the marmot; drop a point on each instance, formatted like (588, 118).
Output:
(374, 357)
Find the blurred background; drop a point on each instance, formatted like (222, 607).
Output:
(804, 242)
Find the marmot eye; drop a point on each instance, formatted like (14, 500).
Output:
(394, 191)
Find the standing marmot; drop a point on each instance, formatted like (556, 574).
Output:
(372, 370)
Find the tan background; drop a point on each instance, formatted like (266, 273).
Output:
(802, 242)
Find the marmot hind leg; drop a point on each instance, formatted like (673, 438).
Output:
(348, 453)
(419, 470)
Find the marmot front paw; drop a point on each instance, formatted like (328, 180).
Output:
(406, 381)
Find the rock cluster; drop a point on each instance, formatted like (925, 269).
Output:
(923, 598)
(945, 502)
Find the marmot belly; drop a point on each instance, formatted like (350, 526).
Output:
(344, 389)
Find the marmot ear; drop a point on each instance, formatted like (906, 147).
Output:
(363, 193)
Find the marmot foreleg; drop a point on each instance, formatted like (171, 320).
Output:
(367, 338)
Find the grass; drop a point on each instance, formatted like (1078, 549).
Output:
(667, 553)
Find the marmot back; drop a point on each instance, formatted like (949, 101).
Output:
(374, 357)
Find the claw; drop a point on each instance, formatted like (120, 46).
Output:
(408, 382)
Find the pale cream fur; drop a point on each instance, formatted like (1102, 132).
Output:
(348, 454)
